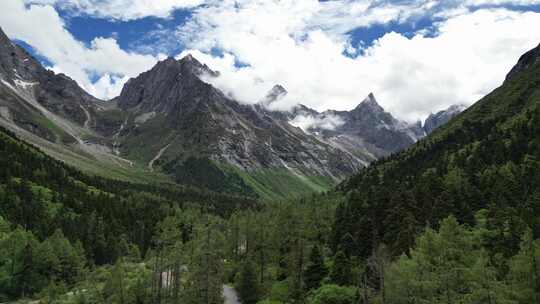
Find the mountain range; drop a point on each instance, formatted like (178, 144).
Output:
(168, 123)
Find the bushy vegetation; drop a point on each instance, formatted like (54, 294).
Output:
(102, 220)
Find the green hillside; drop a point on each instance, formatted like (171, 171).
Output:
(488, 158)
(93, 219)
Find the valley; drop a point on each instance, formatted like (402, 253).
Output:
(168, 123)
(177, 192)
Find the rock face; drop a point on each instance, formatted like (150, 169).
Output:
(56, 92)
(177, 121)
(276, 93)
(197, 121)
(367, 132)
(51, 110)
(442, 117)
(164, 85)
(170, 119)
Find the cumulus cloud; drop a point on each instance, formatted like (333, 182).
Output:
(304, 45)
(124, 10)
(42, 28)
(500, 2)
(278, 42)
(310, 122)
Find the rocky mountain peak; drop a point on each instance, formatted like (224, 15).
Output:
(370, 103)
(277, 92)
(442, 117)
(186, 67)
(15, 62)
(191, 65)
(167, 83)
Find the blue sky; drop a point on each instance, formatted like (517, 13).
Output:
(134, 34)
(416, 56)
(130, 34)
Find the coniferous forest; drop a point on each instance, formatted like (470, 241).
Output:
(455, 218)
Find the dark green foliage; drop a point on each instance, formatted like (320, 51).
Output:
(316, 270)
(486, 158)
(247, 285)
(452, 266)
(334, 294)
(27, 265)
(341, 270)
(202, 172)
(72, 217)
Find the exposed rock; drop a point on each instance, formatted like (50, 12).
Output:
(442, 117)
(198, 120)
(367, 132)
(276, 93)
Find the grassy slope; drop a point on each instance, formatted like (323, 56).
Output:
(276, 184)
(89, 164)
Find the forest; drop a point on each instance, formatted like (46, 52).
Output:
(453, 219)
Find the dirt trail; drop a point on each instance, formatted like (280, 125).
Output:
(230, 295)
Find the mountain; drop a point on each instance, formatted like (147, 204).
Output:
(277, 92)
(367, 132)
(442, 117)
(41, 93)
(169, 123)
(51, 111)
(166, 120)
(177, 121)
(484, 164)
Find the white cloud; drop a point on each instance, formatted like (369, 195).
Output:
(303, 45)
(501, 2)
(122, 9)
(309, 122)
(470, 57)
(281, 44)
(42, 28)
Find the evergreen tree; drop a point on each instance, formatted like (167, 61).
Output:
(247, 285)
(316, 270)
(204, 280)
(115, 289)
(525, 270)
(341, 273)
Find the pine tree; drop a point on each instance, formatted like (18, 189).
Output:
(341, 270)
(204, 280)
(114, 288)
(525, 270)
(316, 270)
(247, 286)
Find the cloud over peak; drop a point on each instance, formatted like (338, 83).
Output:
(42, 28)
(430, 54)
